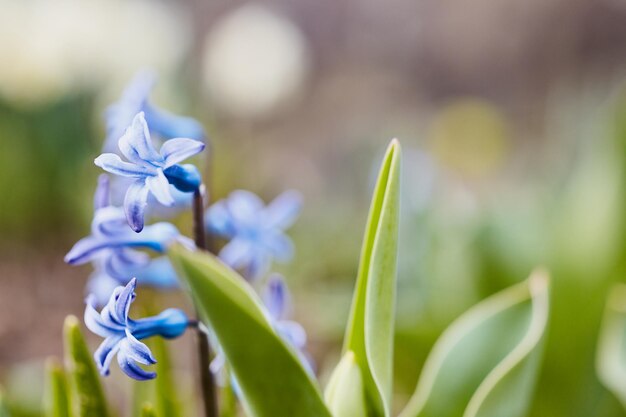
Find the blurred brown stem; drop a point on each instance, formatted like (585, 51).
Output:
(207, 380)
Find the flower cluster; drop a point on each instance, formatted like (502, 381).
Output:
(122, 243)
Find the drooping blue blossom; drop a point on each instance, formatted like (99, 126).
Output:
(256, 231)
(122, 334)
(115, 262)
(135, 100)
(151, 170)
(278, 303)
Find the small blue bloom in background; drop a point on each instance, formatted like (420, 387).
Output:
(122, 334)
(256, 232)
(152, 171)
(277, 301)
(134, 100)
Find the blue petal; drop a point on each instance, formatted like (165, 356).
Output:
(122, 263)
(109, 222)
(293, 332)
(124, 300)
(237, 253)
(258, 265)
(112, 163)
(158, 236)
(184, 177)
(94, 321)
(135, 204)
(280, 246)
(276, 297)
(105, 353)
(136, 144)
(170, 324)
(130, 368)
(101, 197)
(284, 210)
(245, 208)
(218, 219)
(178, 149)
(158, 273)
(84, 250)
(160, 188)
(137, 350)
(120, 115)
(168, 125)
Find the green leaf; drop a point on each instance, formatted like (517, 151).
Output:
(87, 394)
(486, 363)
(272, 379)
(611, 356)
(369, 334)
(57, 400)
(345, 393)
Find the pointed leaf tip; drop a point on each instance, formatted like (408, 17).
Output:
(369, 334)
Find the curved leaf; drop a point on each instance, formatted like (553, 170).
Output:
(485, 363)
(369, 334)
(272, 379)
(87, 394)
(611, 352)
(57, 401)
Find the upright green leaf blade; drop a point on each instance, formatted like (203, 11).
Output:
(485, 363)
(369, 333)
(57, 399)
(272, 379)
(87, 394)
(611, 356)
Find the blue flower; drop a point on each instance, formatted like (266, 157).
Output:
(277, 301)
(256, 231)
(122, 334)
(112, 242)
(134, 100)
(114, 262)
(152, 171)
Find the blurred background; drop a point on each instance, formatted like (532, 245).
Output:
(512, 117)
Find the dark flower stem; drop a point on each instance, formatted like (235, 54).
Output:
(209, 393)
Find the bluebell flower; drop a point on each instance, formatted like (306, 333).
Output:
(134, 100)
(122, 334)
(256, 232)
(152, 171)
(277, 301)
(112, 239)
(114, 262)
